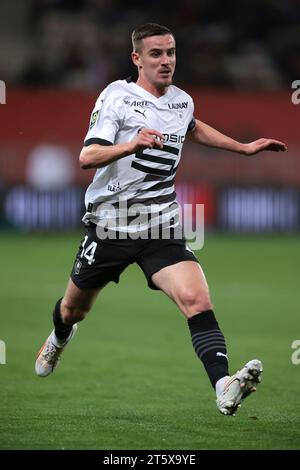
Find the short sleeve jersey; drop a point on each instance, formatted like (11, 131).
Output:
(144, 180)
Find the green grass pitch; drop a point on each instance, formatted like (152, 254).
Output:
(130, 379)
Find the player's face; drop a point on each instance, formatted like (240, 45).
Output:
(156, 61)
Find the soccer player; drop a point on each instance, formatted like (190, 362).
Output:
(135, 138)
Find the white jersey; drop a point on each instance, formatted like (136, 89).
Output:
(143, 182)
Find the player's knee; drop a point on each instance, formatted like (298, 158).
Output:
(194, 302)
(72, 313)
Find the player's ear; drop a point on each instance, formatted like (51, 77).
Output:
(136, 59)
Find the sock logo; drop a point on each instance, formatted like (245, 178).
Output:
(221, 354)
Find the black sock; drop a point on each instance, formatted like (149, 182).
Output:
(62, 330)
(209, 344)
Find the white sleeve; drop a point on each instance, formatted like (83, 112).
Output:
(106, 119)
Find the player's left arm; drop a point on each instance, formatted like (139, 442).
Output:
(206, 135)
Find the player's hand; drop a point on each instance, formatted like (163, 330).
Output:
(261, 145)
(148, 139)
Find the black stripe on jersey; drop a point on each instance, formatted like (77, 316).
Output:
(158, 178)
(92, 207)
(153, 171)
(150, 201)
(154, 158)
(96, 140)
(166, 212)
(153, 178)
(174, 170)
(161, 185)
(169, 149)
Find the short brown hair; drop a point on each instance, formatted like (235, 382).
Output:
(145, 31)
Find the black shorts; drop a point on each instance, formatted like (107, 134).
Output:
(101, 261)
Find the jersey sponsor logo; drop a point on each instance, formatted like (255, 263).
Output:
(182, 105)
(137, 104)
(174, 138)
(94, 118)
(114, 187)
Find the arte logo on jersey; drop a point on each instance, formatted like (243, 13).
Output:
(94, 118)
(137, 104)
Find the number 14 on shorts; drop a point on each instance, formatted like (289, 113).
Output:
(89, 251)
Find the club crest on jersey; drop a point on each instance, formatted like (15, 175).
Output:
(93, 120)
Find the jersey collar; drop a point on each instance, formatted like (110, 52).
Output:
(142, 92)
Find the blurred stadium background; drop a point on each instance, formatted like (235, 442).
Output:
(56, 57)
(238, 59)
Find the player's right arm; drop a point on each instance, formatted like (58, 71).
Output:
(96, 155)
(107, 120)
